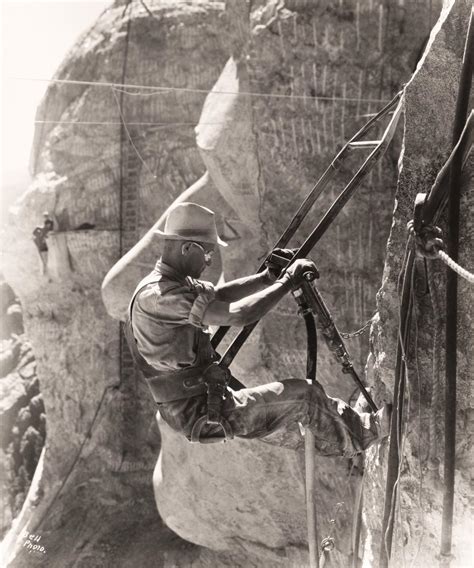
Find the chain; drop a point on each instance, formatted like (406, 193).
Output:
(360, 331)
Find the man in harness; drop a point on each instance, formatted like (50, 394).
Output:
(168, 333)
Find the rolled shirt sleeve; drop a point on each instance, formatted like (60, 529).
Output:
(182, 305)
(165, 317)
(205, 295)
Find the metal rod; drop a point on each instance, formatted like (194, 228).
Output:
(397, 416)
(311, 515)
(438, 194)
(357, 523)
(328, 218)
(328, 175)
(435, 203)
(333, 338)
(309, 441)
(349, 190)
(304, 209)
(462, 103)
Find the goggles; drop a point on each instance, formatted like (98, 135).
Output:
(208, 254)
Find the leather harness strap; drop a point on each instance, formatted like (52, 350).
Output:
(216, 379)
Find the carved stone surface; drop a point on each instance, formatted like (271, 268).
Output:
(252, 159)
(102, 438)
(264, 154)
(427, 142)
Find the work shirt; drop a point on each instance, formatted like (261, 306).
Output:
(167, 318)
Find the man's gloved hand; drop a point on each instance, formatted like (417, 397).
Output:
(274, 270)
(296, 271)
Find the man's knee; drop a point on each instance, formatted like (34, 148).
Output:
(292, 389)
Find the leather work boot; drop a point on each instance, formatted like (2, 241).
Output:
(361, 405)
(384, 417)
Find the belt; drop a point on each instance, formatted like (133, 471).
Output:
(187, 382)
(176, 385)
(210, 379)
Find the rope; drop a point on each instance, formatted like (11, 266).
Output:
(433, 461)
(87, 437)
(420, 426)
(160, 90)
(404, 289)
(357, 518)
(405, 425)
(130, 137)
(150, 13)
(395, 506)
(469, 276)
(428, 243)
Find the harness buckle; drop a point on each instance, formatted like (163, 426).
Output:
(216, 379)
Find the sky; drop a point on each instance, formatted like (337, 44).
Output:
(35, 37)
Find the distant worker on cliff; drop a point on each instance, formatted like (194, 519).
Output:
(40, 235)
(168, 332)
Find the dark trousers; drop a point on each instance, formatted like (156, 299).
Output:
(273, 412)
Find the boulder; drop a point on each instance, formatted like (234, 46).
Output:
(9, 356)
(12, 398)
(7, 296)
(14, 319)
(18, 385)
(11, 320)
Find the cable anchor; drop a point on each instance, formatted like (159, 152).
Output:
(427, 238)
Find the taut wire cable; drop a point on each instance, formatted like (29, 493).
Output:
(160, 90)
(117, 123)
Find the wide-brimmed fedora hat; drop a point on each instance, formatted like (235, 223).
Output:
(191, 222)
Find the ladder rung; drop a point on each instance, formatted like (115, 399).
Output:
(365, 144)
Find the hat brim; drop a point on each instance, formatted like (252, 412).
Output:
(174, 237)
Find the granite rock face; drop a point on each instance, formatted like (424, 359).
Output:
(102, 438)
(327, 66)
(427, 142)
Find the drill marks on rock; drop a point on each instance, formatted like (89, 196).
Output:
(308, 133)
(380, 27)
(130, 177)
(343, 113)
(317, 80)
(88, 258)
(357, 25)
(313, 91)
(318, 59)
